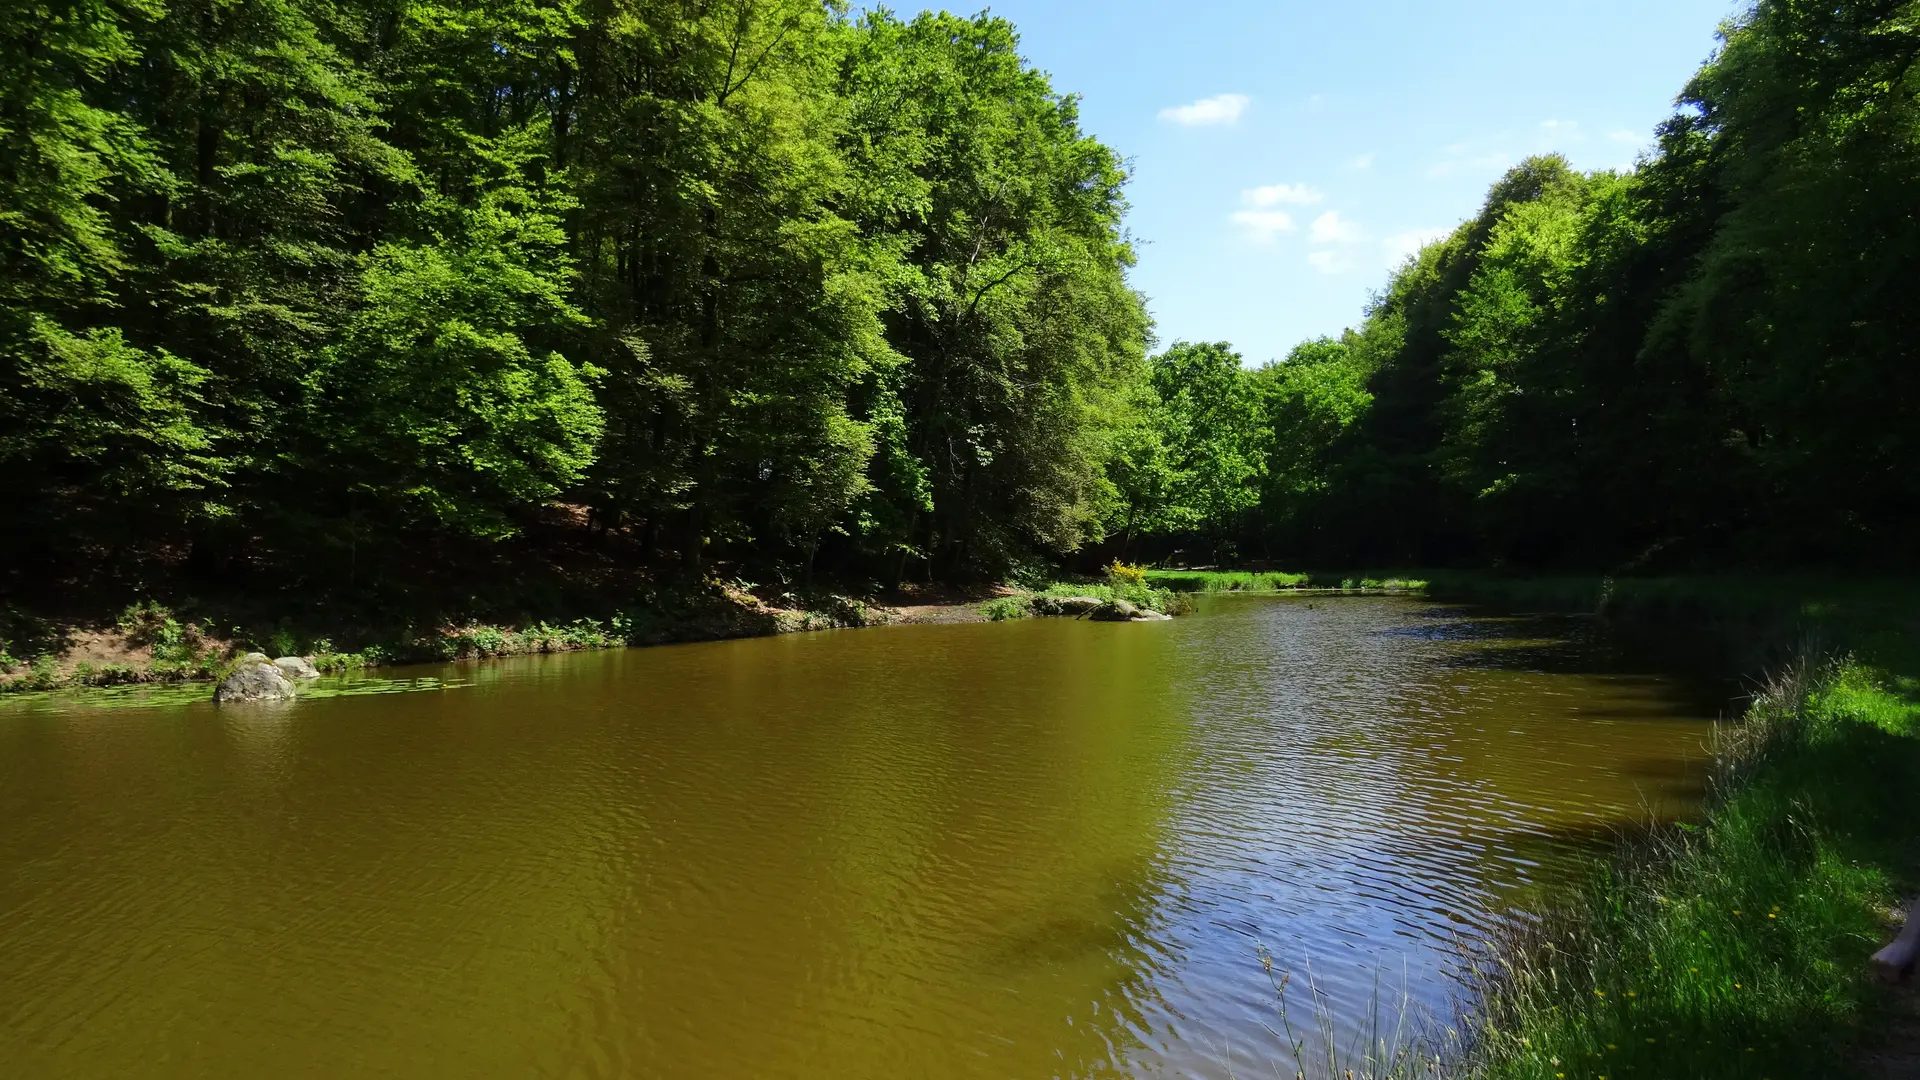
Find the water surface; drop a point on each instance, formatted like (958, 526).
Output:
(1036, 849)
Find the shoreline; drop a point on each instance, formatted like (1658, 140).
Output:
(155, 647)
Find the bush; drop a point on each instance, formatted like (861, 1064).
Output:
(1003, 608)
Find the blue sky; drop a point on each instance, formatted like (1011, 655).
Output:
(1287, 154)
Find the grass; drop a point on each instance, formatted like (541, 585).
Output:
(1136, 590)
(1274, 581)
(1405, 1046)
(1736, 949)
(153, 643)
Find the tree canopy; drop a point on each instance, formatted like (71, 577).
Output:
(1707, 359)
(291, 283)
(287, 283)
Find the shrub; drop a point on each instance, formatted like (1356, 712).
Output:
(1003, 608)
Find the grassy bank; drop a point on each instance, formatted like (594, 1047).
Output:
(1267, 582)
(152, 643)
(1121, 584)
(1738, 948)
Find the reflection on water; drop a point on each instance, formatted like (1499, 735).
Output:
(1033, 849)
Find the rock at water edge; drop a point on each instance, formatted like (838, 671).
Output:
(255, 679)
(1115, 611)
(297, 667)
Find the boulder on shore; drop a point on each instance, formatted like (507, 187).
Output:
(254, 678)
(1065, 605)
(1896, 962)
(297, 667)
(1123, 611)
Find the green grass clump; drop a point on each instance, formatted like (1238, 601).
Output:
(1138, 591)
(1217, 581)
(1736, 948)
(1004, 608)
(484, 641)
(1269, 582)
(1142, 594)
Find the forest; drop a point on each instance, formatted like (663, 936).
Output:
(324, 291)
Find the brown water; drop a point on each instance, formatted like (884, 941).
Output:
(1032, 849)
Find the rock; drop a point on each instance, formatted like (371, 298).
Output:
(1122, 611)
(254, 678)
(1897, 961)
(1064, 605)
(1115, 611)
(297, 667)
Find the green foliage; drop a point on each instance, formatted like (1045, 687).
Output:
(177, 647)
(1731, 949)
(325, 286)
(1193, 465)
(434, 398)
(1140, 594)
(1702, 360)
(1003, 608)
(1022, 341)
(1310, 404)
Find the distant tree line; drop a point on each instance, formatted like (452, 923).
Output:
(309, 282)
(1713, 358)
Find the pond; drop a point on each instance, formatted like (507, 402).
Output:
(1043, 848)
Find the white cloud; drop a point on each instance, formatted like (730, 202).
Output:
(1628, 138)
(1263, 226)
(1331, 228)
(1330, 262)
(1281, 195)
(1560, 129)
(1401, 246)
(1222, 109)
(1364, 161)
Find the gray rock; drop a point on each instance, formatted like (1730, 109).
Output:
(297, 667)
(255, 678)
(1064, 605)
(1122, 611)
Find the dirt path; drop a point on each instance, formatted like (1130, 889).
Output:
(1895, 1055)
